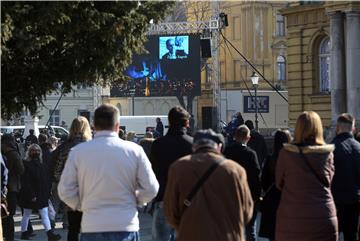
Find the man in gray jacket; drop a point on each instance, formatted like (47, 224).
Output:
(106, 179)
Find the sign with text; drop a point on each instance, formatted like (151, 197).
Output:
(250, 105)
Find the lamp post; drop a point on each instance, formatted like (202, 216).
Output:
(255, 82)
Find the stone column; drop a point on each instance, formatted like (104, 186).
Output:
(353, 63)
(337, 66)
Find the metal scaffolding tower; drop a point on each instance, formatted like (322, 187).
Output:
(212, 27)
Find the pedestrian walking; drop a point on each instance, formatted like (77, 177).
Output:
(346, 183)
(107, 178)
(217, 208)
(257, 143)
(79, 132)
(15, 168)
(239, 152)
(304, 172)
(271, 197)
(159, 130)
(164, 152)
(35, 192)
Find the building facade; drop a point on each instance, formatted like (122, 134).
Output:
(257, 30)
(323, 54)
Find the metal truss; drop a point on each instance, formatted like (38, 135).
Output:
(183, 27)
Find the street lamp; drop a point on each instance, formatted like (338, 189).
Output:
(255, 82)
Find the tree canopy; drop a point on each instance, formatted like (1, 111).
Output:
(43, 43)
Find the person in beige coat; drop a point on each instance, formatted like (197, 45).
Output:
(304, 173)
(222, 206)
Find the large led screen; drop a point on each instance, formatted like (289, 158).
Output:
(171, 67)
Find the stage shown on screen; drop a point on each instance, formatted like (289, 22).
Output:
(171, 68)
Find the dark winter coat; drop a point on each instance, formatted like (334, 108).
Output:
(307, 209)
(165, 151)
(60, 155)
(246, 157)
(13, 162)
(258, 144)
(47, 160)
(271, 200)
(159, 129)
(34, 184)
(346, 182)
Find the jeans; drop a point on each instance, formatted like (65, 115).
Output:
(44, 219)
(250, 228)
(74, 218)
(349, 221)
(161, 230)
(110, 236)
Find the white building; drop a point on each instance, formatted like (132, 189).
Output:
(81, 101)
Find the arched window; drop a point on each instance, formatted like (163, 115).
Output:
(324, 65)
(280, 61)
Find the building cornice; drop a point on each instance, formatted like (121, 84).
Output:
(342, 6)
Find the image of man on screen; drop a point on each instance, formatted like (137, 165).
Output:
(175, 49)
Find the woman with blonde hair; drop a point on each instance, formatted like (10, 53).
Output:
(304, 172)
(80, 131)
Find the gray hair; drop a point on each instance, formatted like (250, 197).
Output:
(33, 147)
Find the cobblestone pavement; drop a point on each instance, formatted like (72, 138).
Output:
(145, 228)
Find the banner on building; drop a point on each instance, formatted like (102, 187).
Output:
(250, 105)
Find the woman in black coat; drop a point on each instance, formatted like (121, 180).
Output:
(35, 192)
(272, 196)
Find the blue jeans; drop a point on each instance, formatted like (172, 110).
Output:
(161, 230)
(110, 236)
(250, 228)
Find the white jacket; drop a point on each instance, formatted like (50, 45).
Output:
(105, 179)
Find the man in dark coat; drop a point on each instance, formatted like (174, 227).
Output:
(246, 157)
(257, 143)
(31, 139)
(346, 183)
(165, 151)
(15, 167)
(159, 130)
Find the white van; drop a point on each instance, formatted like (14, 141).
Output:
(140, 124)
(18, 131)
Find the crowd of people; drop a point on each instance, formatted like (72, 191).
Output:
(196, 187)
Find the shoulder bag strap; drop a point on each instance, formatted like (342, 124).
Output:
(322, 181)
(201, 181)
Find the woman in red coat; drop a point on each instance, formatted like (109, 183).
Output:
(304, 173)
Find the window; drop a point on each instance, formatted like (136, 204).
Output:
(280, 61)
(55, 117)
(280, 25)
(324, 65)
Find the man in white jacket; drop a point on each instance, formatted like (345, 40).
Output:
(106, 179)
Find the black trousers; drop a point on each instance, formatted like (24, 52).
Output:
(8, 222)
(74, 219)
(349, 221)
